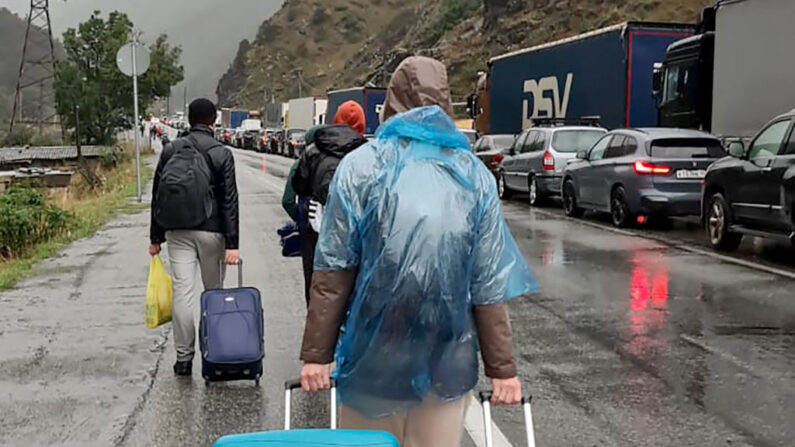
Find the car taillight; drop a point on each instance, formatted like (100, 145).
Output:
(645, 167)
(548, 162)
(293, 143)
(496, 159)
(226, 135)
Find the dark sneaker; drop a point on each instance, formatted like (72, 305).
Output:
(183, 368)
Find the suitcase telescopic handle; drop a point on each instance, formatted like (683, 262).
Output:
(239, 271)
(485, 401)
(295, 384)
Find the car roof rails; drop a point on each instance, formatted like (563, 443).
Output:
(592, 121)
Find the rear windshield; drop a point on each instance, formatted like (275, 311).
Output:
(502, 141)
(297, 136)
(575, 140)
(687, 148)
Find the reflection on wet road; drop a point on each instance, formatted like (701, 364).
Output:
(649, 344)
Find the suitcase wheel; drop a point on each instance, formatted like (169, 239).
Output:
(206, 383)
(256, 382)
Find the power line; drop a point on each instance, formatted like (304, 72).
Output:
(35, 73)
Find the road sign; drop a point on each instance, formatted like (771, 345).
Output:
(124, 59)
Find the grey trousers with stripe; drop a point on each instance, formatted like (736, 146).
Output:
(192, 253)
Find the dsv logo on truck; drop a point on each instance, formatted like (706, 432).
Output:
(545, 107)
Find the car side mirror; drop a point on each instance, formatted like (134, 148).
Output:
(736, 149)
(582, 155)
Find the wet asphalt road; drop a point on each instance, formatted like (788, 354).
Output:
(632, 342)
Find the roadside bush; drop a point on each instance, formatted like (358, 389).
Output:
(21, 136)
(46, 139)
(320, 15)
(24, 135)
(26, 219)
(451, 13)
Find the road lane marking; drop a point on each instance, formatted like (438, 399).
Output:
(474, 424)
(676, 244)
(725, 355)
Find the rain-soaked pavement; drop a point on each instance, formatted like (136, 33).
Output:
(632, 342)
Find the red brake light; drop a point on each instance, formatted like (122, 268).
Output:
(548, 162)
(293, 143)
(496, 159)
(645, 167)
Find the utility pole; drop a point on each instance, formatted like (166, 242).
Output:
(185, 101)
(35, 70)
(135, 111)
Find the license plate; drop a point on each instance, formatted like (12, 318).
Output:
(691, 174)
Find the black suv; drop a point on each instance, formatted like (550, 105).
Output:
(752, 192)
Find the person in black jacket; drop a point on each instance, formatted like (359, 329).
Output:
(314, 173)
(202, 247)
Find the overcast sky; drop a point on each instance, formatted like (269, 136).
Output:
(209, 31)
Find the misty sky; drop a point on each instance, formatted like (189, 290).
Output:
(209, 31)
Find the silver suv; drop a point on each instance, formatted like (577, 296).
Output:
(535, 162)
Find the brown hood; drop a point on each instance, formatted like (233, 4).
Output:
(418, 81)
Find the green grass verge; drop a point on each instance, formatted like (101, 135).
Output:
(90, 214)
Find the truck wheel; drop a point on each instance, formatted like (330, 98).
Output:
(570, 200)
(718, 221)
(536, 198)
(619, 210)
(502, 187)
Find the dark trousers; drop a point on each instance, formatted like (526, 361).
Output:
(308, 243)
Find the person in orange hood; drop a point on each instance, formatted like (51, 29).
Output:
(352, 114)
(315, 170)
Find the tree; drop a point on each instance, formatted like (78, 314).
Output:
(164, 71)
(89, 79)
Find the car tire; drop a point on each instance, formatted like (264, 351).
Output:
(717, 223)
(570, 200)
(502, 187)
(535, 198)
(619, 210)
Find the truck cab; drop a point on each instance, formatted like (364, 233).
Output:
(683, 83)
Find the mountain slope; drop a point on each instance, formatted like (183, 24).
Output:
(311, 46)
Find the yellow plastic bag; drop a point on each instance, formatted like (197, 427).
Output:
(158, 294)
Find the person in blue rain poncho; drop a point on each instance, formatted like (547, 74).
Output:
(413, 268)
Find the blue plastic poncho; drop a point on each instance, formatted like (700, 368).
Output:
(418, 214)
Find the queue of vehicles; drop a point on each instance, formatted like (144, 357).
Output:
(689, 138)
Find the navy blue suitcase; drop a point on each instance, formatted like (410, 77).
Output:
(231, 333)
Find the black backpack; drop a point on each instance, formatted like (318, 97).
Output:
(184, 196)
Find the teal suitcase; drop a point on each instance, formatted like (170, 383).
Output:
(309, 438)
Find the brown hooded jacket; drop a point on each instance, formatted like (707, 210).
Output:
(418, 81)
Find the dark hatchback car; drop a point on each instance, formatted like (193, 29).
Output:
(638, 173)
(752, 192)
(491, 149)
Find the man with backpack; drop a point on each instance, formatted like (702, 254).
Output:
(194, 210)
